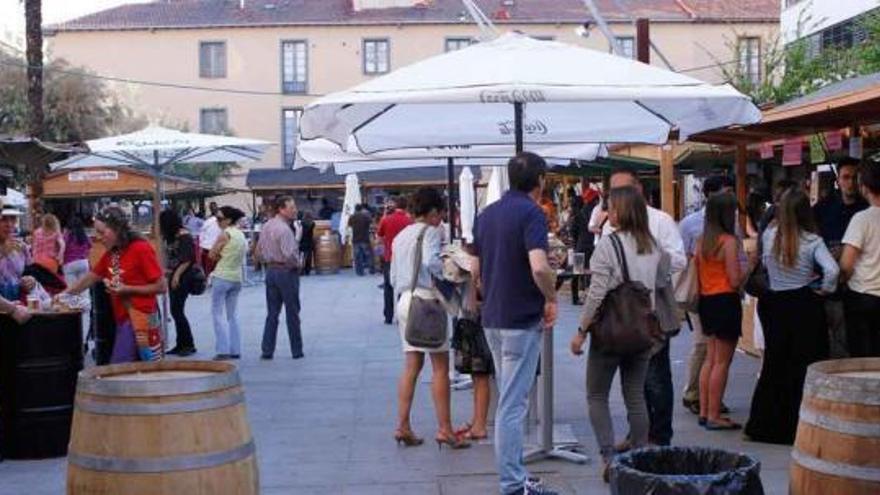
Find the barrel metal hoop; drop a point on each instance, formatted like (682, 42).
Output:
(143, 388)
(121, 409)
(859, 429)
(836, 469)
(162, 464)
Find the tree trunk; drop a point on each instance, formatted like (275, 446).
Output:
(33, 12)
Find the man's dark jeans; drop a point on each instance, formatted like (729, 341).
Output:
(659, 397)
(388, 310)
(862, 325)
(282, 288)
(362, 252)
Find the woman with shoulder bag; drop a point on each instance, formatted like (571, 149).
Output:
(414, 264)
(646, 263)
(795, 328)
(720, 307)
(180, 254)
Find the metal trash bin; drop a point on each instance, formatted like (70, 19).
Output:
(685, 471)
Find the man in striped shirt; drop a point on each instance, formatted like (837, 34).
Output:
(278, 250)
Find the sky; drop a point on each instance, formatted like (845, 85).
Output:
(12, 14)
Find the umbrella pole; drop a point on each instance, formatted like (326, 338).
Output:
(157, 210)
(450, 199)
(545, 448)
(518, 125)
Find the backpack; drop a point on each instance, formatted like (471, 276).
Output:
(626, 322)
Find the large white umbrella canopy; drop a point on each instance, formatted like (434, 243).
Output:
(468, 210)
(322, 153)
(570, 95)
(160, 147)
(352, 199)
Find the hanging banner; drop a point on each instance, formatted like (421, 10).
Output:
(792, 152)
(92, 175)
(834, 140)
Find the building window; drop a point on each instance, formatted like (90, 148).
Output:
(453, 44)
(290, 134)
(750, 59)
(627, 46)
(213, 121)
(376, 56)
(294, 67)
(212, 59)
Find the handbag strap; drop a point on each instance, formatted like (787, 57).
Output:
(621, 256)
(417, 265)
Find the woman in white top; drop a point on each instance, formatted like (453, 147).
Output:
(427, 208)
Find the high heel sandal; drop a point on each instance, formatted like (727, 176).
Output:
(407, 438)
(454, 442)
(467, 433)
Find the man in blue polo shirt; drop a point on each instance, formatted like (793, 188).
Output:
(519, 302)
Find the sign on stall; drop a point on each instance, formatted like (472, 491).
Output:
(92, 175)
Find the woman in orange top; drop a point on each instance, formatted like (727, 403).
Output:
(720, 307)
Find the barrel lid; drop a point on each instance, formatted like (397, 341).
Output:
(854, 381)
(158, 378)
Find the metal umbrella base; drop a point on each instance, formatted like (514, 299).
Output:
(546, 448)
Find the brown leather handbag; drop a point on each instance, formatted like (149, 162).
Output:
(427, 322)
(626, 322)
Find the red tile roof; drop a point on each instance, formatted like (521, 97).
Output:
(214, 13)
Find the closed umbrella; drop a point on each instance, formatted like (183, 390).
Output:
(352, 199)
(499, 183)
(468, 204)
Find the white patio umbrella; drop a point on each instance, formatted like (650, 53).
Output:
(323, 153)
(157, 148)
(468, 210)
(516, 88)
(352, 199)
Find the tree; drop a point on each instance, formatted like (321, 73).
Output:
(77, 107)
(33, 13)
(791, 71)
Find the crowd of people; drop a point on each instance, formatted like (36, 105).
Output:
(815, 273)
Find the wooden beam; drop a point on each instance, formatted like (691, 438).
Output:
(742, 183)
(667, 178)
(643, 41)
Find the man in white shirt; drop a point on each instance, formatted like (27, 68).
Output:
(208, 237)
(658, 384)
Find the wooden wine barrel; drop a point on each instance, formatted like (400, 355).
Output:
(837, 449)
(162, 428)
(328, 254)
(39, 362)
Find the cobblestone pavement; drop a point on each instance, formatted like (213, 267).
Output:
(323, 424)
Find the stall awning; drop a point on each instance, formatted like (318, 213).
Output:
(121, 182)
(313, 178)
(840, 105)
(34, 155)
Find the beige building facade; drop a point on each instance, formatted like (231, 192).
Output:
(253, 79)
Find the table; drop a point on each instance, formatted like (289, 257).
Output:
(39, 363)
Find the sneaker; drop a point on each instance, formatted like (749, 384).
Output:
(266, 357)
(222, 357)
(185, 351)
(299, 356)
(534, 486)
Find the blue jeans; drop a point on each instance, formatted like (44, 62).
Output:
(282, 288)
(363, 257)
(515, 353)
(224, 296)
(658, 395)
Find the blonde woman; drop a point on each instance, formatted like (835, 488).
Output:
(48, 241)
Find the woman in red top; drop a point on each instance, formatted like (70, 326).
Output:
(131, 272)
(720, 307)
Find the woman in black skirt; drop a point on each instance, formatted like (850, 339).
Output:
(793, 317)
(720, 308)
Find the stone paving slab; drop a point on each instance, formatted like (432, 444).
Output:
(323, 424)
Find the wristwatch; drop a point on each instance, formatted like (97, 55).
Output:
(582, 332)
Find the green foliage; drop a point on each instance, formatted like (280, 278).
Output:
(792, 71)
(76, 108)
